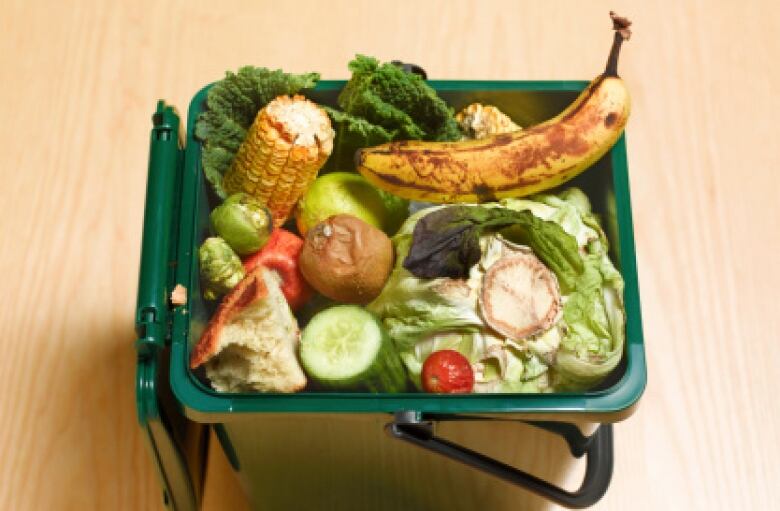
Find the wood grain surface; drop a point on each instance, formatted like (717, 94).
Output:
(79, 80)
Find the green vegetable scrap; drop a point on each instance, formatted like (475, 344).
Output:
(401, 102)
(592, 341)
(220, 268)
(231, 106)
(358, 132)
(412, 308)
(382, 102)
(346, 348)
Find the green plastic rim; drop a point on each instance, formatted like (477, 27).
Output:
(202, 404)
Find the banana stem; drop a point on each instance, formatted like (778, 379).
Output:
(622, 33)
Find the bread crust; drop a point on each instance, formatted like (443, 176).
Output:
(246, 292)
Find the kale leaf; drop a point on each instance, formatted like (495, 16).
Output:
(353, 133)
(382, 102)
(399, 101)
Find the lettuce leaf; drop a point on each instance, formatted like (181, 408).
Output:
(412, 308)
(593, 313)
(232, 105)
(446, 242)
(501, 366)
(595, 321)
(570, 209)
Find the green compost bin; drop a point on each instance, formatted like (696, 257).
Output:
(325, 450)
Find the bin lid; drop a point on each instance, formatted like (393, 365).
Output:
(178, 445)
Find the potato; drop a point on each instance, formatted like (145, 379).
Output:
(346, 259)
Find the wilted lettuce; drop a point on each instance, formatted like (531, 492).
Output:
(502, 366)
(412, 308)
(425, 315)
(593, 313)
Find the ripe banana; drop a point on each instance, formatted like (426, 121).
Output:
(510, 164)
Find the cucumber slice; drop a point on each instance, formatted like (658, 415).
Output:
(346, 348)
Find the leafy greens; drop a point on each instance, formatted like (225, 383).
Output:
(381, 103)
(428, 314)
(400, 102)
(446, 242)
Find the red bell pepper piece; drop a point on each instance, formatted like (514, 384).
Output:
(281, 254)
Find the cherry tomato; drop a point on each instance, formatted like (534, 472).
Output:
(447, 371)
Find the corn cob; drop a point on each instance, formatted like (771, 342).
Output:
(480, 121)
(287, 144)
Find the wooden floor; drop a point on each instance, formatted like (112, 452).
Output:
(79, 80)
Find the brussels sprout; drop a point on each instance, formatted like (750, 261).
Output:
(220, 268)
(243, 222)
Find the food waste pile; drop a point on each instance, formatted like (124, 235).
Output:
(438, 253)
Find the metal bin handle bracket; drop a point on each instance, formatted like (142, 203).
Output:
(410, 427)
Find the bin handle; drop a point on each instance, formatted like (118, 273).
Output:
(598, 448)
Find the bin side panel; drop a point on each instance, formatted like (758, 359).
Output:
(339, 462)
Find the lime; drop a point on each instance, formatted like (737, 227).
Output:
(350, 193)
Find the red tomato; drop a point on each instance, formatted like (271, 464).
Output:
(447, 371)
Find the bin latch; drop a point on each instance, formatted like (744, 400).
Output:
(151, 332)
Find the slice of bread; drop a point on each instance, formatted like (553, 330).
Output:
(251, 341)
